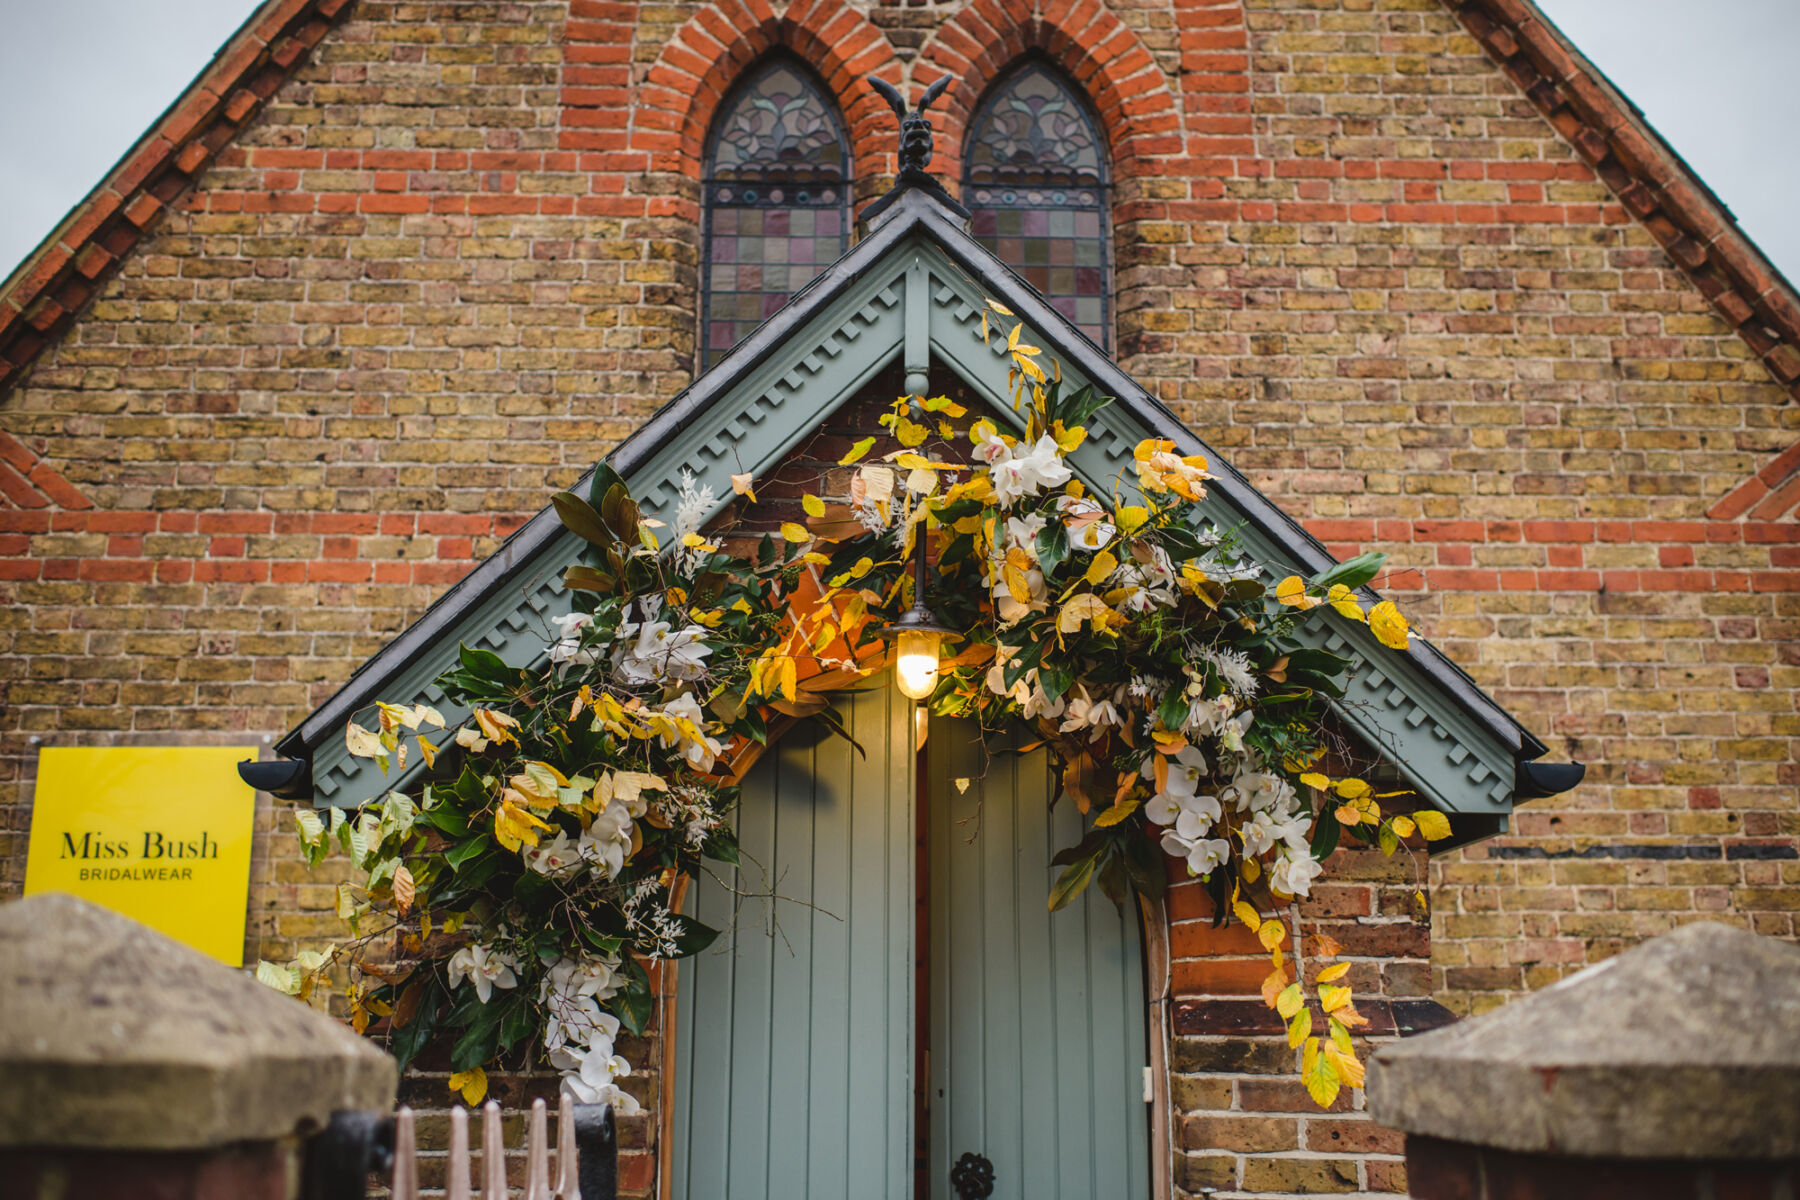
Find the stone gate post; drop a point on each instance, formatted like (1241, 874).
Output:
(1671, 1072)
(131, 1065)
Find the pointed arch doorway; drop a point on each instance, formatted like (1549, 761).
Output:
(802, 1069)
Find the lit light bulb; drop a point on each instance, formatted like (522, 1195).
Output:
(916, 662)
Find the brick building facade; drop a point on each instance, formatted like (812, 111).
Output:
(391, 272)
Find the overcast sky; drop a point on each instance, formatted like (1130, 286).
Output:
(85, 78)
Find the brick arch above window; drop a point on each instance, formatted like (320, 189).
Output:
(699, 65)
(1136, 109)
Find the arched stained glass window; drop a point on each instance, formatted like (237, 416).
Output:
(777, 202)
(1035, 184)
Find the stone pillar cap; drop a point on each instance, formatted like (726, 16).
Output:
(116, 1036)
(1686, 1047)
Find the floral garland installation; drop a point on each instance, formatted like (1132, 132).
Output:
(536, 876)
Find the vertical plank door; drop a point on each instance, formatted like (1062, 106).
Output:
(794, 1031)
(1037, 1018)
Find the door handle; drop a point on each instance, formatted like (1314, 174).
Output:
(972, 1177)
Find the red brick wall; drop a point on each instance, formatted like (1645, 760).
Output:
(453, 260)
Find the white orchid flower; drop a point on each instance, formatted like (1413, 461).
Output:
(659, 653)
(1087, 713)
(1085, 520)
(1293, 873)
(571, 977)
(484, 967)
(700, 752)
(553, 857)
(607, 840)
(1020, 472)
(1268, 829)
(567, 647)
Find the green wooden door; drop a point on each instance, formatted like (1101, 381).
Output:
(794, 1031)
(794, 1057)
(1037, 1018)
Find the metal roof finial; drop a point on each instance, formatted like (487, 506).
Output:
(915, 146)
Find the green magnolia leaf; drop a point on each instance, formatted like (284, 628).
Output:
(1353, 572)
(580, 519)
(1070, 884)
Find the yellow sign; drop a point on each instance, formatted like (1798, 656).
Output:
(160, 834)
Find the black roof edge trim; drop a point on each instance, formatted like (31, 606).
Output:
(283, 778)
(1536, 780)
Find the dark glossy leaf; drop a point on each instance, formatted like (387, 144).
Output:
(1052, 546)
(1353, 572)
(605, 479)
(1073, 881)
(579, 517)
(590, 579)
(1326, 832)
(694, 936)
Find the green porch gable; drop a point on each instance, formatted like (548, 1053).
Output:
(912, 292)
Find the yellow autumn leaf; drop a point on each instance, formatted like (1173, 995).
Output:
(472, 1083)
(363, 743)
(1290, 1001)
(790, 678)
(741, 484)
(1300, 1028)
(1130, 518)
(1292, 592)
(1101, 568)
(428, 752)
(1403, 826)
(1319, 1074)
(1334, 972)
(1332, 998)
(1115, 813)
(1315, 780)
(514, 824)
(1349, 1068)
(795, 533)
(1272, 934)
(861, 448)
(814, 506)
(1085, 607)
(1273, 985)
(1351, 789)
(1388, 625)
(1248, 915)
(909, 432)
(496, 727)
(404, 889)
(1433, 824)
(1344, 600)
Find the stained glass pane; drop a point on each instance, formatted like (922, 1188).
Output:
(777, 201)
(1035, 184)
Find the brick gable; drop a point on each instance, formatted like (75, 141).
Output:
(453, 258)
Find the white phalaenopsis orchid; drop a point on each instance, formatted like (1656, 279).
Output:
(567, 647)
(1181, 792)
(607, 840)
(701, 751)
(651, 652)
(1087, 713)
(553, 857)
(1018, 471)
(567, 977)
(1264, 831)
(1293, 872)
(484, 967)
(1085, 521)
